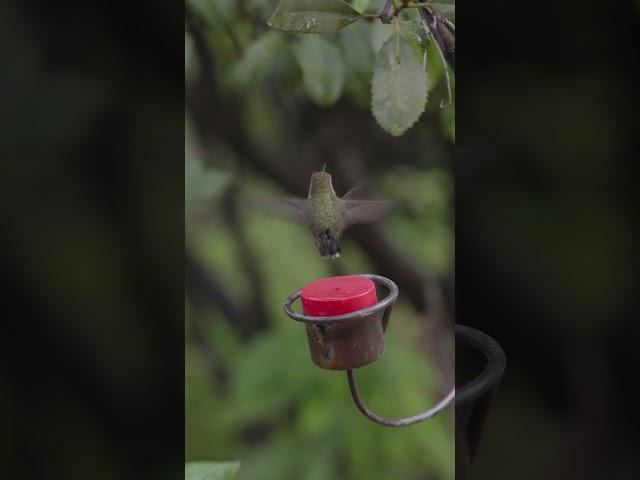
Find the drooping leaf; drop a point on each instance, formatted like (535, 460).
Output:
(435, 69)
(312, 16)
(322, 69)
(416, 35)
(258, 57)
(211, 470)
(399, 87)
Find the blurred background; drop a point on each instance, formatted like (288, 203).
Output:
(91, 202)
(546, 233)
(251, 391)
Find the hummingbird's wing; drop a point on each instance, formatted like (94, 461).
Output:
(355, 190)
(365, 211)
(289, 208)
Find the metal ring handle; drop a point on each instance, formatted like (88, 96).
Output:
(493, 370)
(382, 304)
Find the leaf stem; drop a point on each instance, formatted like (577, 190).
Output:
(384, 13)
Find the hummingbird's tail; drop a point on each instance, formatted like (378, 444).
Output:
(327, 244)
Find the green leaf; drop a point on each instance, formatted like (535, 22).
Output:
(258, 57)
(416, 34)
(211, 470)
(399, 87)
(312, 16)
(435, 69)
(360, 5)
(322, 69)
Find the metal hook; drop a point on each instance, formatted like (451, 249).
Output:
(396, 422)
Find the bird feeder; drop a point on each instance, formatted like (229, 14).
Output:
(345, 326)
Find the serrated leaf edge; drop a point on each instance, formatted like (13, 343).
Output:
(409, 126)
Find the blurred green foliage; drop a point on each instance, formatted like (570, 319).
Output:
(211, 470)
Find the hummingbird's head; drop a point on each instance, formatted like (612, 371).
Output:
(320, 182)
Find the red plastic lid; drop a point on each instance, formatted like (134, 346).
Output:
(338, 295)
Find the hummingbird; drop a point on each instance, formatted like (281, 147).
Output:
(326, 214)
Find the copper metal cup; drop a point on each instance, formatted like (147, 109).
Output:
(345, 342)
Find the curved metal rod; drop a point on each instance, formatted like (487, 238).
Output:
(396, 422)
(382, 304)
(492, 371)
